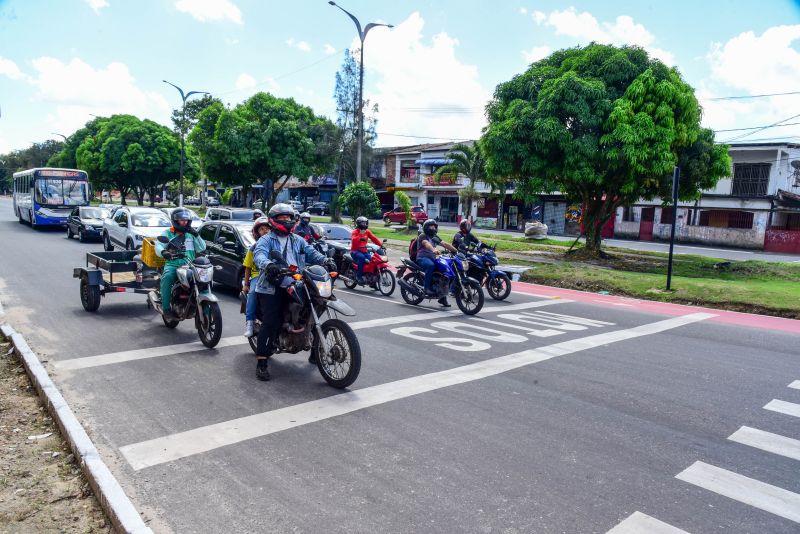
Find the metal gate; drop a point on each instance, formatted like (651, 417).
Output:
(554, 217)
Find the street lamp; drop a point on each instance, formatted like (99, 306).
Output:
(361, 35)
(60, 135)
(184, 97)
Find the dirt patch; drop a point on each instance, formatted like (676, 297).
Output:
(41, 487)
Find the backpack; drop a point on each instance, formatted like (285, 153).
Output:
(412, 249)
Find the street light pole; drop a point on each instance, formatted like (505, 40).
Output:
(184, 97)
(361, 35)
(60, 135)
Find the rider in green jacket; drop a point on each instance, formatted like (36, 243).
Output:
(182, 229)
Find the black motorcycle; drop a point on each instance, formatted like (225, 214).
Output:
(482, 267)
(310, 322)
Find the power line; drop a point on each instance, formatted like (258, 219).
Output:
(741, 97)
(763, 128)
(755, 127)
(424, 137)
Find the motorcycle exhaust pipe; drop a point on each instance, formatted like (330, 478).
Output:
(414, 290)
(345, 279)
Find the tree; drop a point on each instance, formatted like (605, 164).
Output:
(265, 137)
(405, 205)
(360, 199)
(36, 155)
(467, 160)
(601, 124)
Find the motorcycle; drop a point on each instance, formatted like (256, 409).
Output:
(377, 273)
(448, 277)
(482, 263)
(333, 343)
(191, 295)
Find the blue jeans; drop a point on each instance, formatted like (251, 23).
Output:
(361, 258)
(252, 302)
(429, 266)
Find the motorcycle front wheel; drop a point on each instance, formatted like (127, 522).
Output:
(415, 279)
(386, 282)
(469, 297)
(340, 367)
(499, 287)
(211, 331)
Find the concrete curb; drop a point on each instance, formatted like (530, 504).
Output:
(113, 500)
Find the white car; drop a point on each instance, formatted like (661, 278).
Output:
(128, 227)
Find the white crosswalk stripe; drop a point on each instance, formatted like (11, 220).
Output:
(767, 441)
(795, 384)
(747, 490)
(639, 523)
(787, 408)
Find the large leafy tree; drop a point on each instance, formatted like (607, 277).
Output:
(604, 125)
(36, 155)
(131, 155)
(360, 200)
(265, 137)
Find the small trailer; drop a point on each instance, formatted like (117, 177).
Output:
(97, 278)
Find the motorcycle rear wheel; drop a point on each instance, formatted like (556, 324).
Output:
(211, 333)
(417, 279)
(386, 282)
(469, 298)
(350, 274)
(341, 366)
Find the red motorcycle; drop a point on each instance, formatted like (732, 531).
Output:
(377, 273)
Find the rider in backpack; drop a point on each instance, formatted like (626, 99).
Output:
(426, 255)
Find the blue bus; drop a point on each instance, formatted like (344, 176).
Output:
(45, 197)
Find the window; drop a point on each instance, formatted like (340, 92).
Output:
(666, 215)
(122, 217)
(726, 219)
(226, 233)
(740, 219)
(208, 232)
(750, 179)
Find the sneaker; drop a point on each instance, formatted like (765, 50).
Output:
(430, 293)
(262, 369)
(169, 315)
(248, 329)
(444, 303)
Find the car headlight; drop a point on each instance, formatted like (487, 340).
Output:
(324, 287)
(205, 275)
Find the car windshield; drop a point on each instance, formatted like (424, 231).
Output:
(94, 213)
(242, 215)
(151, 220)
(246, 235)
(194, 215)
(338, 232)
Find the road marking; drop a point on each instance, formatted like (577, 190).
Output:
(180, 445)
(639, 523)
(788, 408)
(795, 384)
(767, 441)
(747, 490)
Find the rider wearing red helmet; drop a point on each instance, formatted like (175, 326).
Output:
(464, 238)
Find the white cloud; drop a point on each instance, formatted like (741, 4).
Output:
(10, 69)
(584, 28)
(97, 5)
(523, 11)
(406, 72)
(328, 49)
(75, 90)
(300, 45)
(210, 10)
(245, 81)
(749, 64)
(536, 53)
(231, 41)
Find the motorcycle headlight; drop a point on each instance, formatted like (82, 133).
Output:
(324, 287)
(205, 275)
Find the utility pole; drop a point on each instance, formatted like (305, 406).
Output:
(676, 177)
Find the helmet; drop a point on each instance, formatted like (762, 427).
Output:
(305, 215)
(465, 226)
(181, 219)
(281, 227)
(261, 221)
(430, 227)
(362, 223)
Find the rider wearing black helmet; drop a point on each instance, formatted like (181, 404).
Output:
(464, 238)
(271, 300)
(304, 228)
(358, 245)
(181, 219)
(426, 254)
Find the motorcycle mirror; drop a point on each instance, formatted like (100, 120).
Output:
(163, 239)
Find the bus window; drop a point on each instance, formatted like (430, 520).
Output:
(75, 193)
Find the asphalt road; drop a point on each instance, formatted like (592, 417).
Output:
(608, 415)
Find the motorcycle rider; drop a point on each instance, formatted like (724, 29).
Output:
(187, 236)
(260, 228)
(304, 228)
(272, 301)
(427, 242)
(358, 245)
(464, 238)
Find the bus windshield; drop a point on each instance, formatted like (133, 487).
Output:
(61, 192)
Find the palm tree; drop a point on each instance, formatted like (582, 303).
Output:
(467, 160)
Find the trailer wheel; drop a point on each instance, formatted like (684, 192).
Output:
(90, 295)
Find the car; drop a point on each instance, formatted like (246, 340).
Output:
(233, 214)
(86, 222)
(333, 232)
(196, 220)
(319, 208)
(129, 225)
(212, 201)
(227, 242)
(398, 216)
(296, 204)
(191, 201)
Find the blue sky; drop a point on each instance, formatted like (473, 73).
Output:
(61, 61)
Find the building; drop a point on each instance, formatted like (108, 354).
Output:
(757, 206)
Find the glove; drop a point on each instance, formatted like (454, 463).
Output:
(167, 255)
(191, 230)
(272, 271)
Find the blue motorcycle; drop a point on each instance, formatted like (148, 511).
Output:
(449, 277)
(482, 267)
